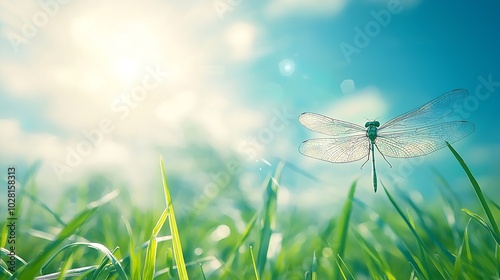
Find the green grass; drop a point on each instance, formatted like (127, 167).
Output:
(107, 238)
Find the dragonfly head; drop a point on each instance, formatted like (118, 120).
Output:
(373, 123)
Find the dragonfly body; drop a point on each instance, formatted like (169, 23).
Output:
(412, 134)
(371, 133)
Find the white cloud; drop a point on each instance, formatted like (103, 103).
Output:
(367, 103)
(17, 143)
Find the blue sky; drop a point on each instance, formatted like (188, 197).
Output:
(203, 83)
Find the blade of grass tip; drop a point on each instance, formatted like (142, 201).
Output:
(458, 259)
(477, 189)
(481, 221)
(176, 240)
(314, 267)
(267, 225)
(269, 217)
(468, 252)
(342, 227)
(202, 272)
(32, 268)
(254, 264)
(149, 265)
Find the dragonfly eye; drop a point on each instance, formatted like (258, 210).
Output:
(374, 123)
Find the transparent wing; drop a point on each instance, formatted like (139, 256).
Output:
(422, 141)
(328, 126)
(432, 111)
(341, 149)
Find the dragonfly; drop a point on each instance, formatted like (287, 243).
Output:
(413, 134)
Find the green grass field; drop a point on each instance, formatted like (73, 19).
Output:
(107, 239)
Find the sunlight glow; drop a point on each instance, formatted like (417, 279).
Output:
(127, 68)
(287, 67)
(241, 37)
(117, 51)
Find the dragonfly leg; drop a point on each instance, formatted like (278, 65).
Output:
(383, 156)
(368, 158)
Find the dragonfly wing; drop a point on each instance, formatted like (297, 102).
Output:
(328, 126)
(434, 110)
(422, 141)
(341, 149)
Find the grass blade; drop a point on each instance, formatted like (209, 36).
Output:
(477, 190)
(33, 268)
(202, 272)
(374, 260)
(133, 258)
(421, 244)
(483, 223)
(254, 264)
(245, 235)
(97, 246)
(176, 240)
(269, 219)
(149, 266)
(414, 261)
(343, 225)
(458, 260)
(314, 268)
